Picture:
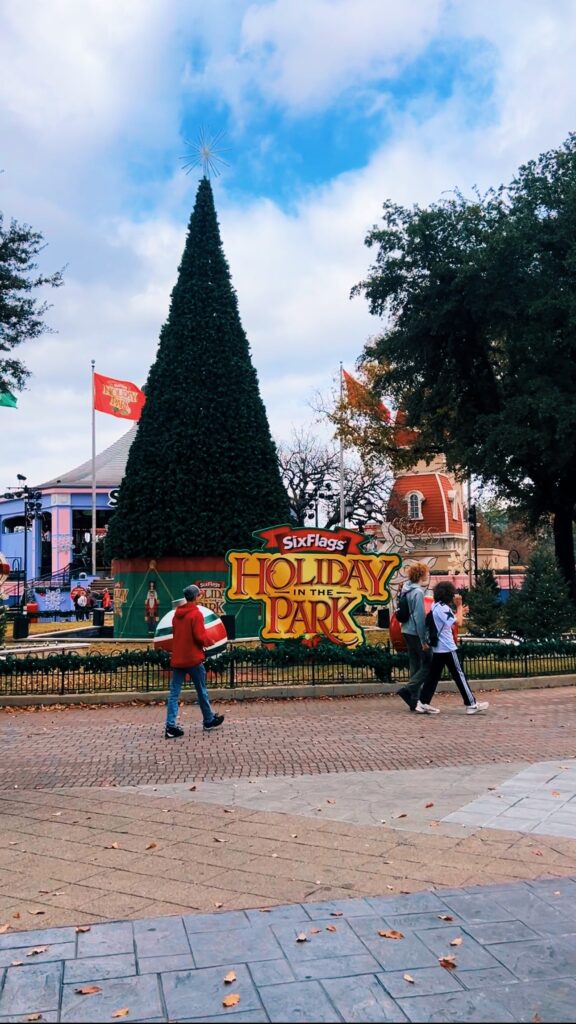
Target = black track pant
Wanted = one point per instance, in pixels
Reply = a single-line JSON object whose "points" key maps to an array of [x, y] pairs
{"points": [[450, 659]]}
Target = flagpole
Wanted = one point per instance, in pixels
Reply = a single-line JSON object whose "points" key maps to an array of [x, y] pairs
{"points": [[93, 476], [342, 506]]}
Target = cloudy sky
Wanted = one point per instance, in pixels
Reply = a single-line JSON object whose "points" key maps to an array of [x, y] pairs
{"points": [[329, 107]]}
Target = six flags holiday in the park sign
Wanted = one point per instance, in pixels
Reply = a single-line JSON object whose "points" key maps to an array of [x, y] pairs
{"points": [[310, 582]]}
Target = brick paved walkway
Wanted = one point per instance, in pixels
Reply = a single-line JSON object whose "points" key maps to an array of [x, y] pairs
{"points": [[185, 870], [509, 954], [125, 745]]}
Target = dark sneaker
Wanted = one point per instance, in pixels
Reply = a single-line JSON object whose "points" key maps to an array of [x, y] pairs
{"points": [[173, 732], [216, 721], [407, 698]]}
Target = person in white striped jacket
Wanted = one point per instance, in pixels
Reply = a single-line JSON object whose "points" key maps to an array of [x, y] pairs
{"points": [[445, 653]]}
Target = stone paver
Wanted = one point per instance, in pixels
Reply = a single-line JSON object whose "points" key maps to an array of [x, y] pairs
{"points": [[102, 746], [343, 971], [540, 799], [167, 865]]}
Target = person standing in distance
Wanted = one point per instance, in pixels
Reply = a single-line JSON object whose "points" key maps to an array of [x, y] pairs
{"points": [[188, 643], [414, 632], [444, 652]]}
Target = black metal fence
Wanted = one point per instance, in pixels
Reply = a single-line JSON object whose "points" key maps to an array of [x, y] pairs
{"points": [[121, 673]]}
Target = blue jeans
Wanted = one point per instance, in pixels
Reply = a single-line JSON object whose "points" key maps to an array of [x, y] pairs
{"points": [[197, 674]]}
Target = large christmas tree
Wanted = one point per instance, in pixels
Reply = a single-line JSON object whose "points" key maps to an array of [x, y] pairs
{"points": [[202, 473]]}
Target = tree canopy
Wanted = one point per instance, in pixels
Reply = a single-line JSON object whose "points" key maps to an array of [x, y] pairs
{"points": [[479, 344], [202, 473], [22, 310]]}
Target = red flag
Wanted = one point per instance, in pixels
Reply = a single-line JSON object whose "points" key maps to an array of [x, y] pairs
{"points": [[359, 397], [118, 397]]}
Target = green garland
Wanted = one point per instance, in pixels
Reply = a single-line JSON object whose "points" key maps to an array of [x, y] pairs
{"points": [[375, 656]]}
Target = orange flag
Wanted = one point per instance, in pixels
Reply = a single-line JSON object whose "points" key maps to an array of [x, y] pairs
{"points": [[359, 397], [118, 397]]}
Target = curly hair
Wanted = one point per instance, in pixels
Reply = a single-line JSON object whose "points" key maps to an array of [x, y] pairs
{"points": [[444, 592], [417, 571]]}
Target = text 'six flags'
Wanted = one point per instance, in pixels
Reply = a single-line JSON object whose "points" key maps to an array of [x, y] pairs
{"points": [[359, 397], [118, 397]]}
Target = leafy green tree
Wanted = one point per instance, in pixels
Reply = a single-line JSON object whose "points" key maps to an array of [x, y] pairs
{"points": [[202, 473], [21, 311], [479, 347], [542, 607], [485, 608]]}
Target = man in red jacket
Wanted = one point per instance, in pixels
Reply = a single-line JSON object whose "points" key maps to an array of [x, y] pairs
{"points": [[189, 640]]}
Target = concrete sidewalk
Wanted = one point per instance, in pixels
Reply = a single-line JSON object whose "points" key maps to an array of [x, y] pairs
{"points": [[167, 869], [499, 953]]}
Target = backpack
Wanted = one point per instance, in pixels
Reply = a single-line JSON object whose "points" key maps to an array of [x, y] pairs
{"points": [[403, 611], [431, 629]]}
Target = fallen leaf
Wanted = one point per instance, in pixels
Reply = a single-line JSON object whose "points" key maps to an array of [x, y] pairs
{"points": [[330, 801], [409, 978], [302, 937], [331, 928], [4, 928], [152, 846], [556, 792], [403, 815], [294, 835], [449, 962], [16, 963], [87, 990], [218, 840], [456, 942], [56, 813], [192, 789], [431, 804], [445, 917], [264, 910], [36, 912], [218, 905], [121, 1013], [82, 928], [113, 846], [491, 787], [230, 977], [391, 887], [228, 810], [15, 843], [537, 853], [232, 1000], [37, 950], [34, 1016], [314, 931], [274, 854], [391, 934], [336, 913], [16, 916]]}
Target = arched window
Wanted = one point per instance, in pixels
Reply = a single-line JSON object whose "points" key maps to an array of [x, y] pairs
{"points": [[415, 505]]}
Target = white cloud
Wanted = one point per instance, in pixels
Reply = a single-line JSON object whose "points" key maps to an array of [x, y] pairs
{"points": [[293, 270], [302, 54]]}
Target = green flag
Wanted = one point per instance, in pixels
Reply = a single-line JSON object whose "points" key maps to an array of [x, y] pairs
{"points": [[7, 398]]}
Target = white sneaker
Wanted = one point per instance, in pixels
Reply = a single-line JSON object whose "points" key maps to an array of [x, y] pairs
{"points": [[480, 705], [426, 709]]}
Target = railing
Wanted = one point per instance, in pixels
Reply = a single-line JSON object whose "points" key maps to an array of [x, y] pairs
{"points": [[145, 671]]}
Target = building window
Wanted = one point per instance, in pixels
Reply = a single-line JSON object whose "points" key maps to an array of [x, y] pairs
{"points": [[414, 505]]}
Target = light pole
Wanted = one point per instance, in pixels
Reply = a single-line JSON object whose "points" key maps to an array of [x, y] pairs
{"points": [[324, 493], [32, 511], [513, 559]]}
